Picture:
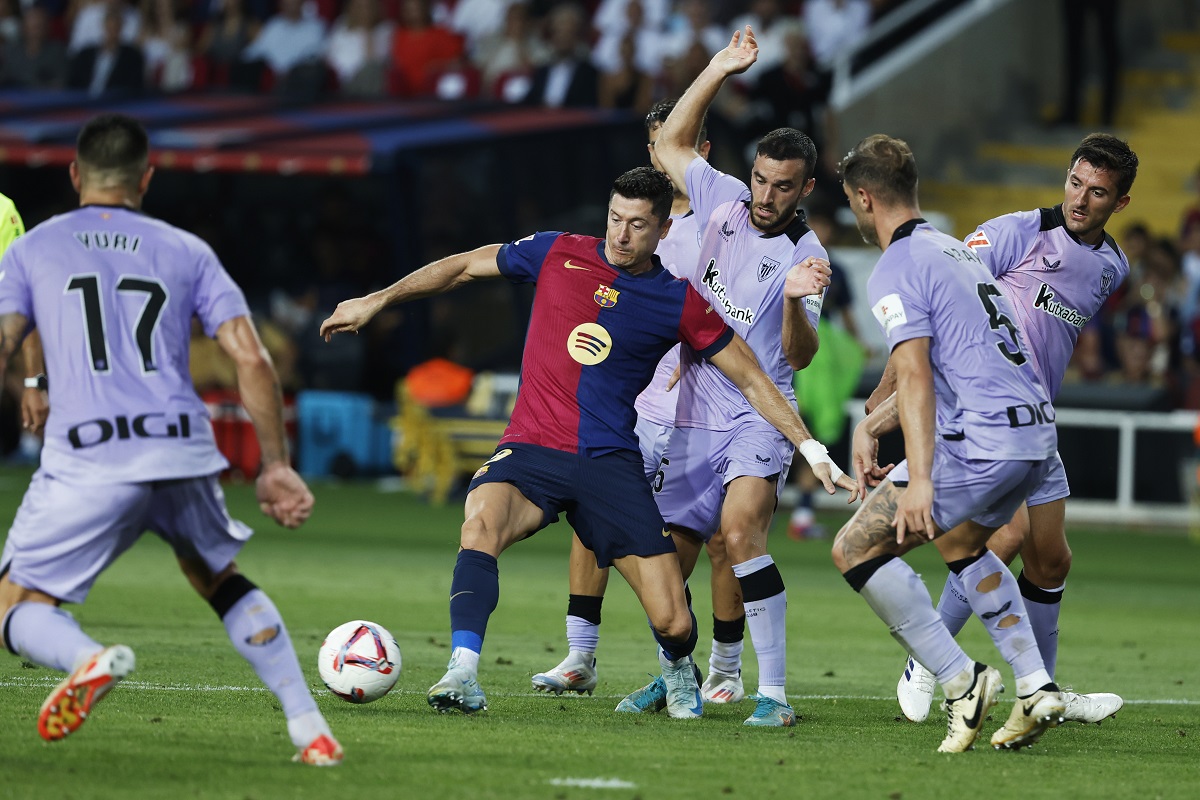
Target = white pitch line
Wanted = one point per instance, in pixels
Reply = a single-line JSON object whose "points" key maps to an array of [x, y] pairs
{"points": [[48, 681], [593, 783]]}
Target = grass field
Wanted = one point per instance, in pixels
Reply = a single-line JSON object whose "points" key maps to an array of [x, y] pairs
{"points": [[193, 721]]}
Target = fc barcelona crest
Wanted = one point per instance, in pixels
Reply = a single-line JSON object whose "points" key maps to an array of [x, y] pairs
{"points": [[767, 268], [606, 297]]}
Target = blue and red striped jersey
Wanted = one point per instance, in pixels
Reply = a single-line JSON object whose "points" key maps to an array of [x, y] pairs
{"points": [[595, 335]]}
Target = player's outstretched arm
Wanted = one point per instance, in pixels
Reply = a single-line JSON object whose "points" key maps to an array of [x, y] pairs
{"points": [[282, 494], [675, 147], [865, 443], [435, 278], [739, 364]]}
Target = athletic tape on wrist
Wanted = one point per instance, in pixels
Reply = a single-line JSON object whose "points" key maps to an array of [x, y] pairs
{"points": [[816, 453]]}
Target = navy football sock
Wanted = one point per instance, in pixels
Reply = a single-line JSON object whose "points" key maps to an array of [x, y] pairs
{"points": [[474, 593]]}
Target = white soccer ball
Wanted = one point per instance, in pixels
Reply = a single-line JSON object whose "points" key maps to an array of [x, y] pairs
{"points": [[359, 661]]}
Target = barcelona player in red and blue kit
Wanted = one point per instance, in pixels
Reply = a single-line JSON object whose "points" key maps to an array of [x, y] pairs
{"points": [[604, 313]]}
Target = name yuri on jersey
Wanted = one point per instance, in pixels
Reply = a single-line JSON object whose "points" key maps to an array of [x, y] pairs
{"points": [[109, 240], [732, 312]]}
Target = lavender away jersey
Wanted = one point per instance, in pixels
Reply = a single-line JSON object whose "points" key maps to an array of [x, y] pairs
{"points": [[113, 293], [1056, 282], [928, 284], [741, 271], [678, 253]]}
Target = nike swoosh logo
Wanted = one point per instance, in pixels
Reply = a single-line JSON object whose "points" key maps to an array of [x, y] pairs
{"points": [[666, 531], [973, 722], [569, 265], [456, 594], [1027, 709]]}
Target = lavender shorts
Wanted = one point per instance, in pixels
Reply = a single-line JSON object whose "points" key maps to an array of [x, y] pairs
{"points": [[986, 492], [65, 535], [698, 464]]}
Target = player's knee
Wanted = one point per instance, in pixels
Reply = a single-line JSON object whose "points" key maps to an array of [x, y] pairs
{"points": [[676, 627], [1050, 570], [477, 535]]}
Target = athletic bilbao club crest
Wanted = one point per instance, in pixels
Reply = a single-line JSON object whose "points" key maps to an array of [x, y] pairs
{"points": [[767, 268], [606, 296], [1106, 281]]}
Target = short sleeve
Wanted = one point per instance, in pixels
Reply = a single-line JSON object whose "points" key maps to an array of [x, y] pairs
{"points": [[217, 299], [1001, 243], [521, 261], [708, 187], [701, 327]]}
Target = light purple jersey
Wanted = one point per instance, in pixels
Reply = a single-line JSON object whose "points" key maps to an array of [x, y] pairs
{"points": [[679, 253], [113, 293], [741, 271], [928, 284], [1056, 282]]}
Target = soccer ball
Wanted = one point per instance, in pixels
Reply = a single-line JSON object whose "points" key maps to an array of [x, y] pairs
{"points": [[359, 661]]}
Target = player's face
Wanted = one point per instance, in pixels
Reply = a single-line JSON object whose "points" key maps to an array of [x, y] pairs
{"points": [[776, 189], [862, 217], [652, 135], [633, 232], [1091, 197]]}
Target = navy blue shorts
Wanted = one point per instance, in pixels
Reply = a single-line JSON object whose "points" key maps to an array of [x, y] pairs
{"points": [[607, 498]]}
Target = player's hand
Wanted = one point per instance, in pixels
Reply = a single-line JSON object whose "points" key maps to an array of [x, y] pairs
{"points": [[284, 496], [739, 55], [674, 379], [824, 474], [809, 277], [865, 459], [914, 511], [35, 408], [350, 316]]}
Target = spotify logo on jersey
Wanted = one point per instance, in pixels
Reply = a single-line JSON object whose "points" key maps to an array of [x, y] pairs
{"points": [[589, 343]]}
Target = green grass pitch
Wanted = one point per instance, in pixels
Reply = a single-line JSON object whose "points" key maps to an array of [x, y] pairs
{"points": [[193, 721]]}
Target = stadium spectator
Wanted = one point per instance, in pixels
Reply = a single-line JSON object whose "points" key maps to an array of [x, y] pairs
{"points": [[507, 58], [693, 25], [644, 39], [359, 49], [34, 61], [419, 46], [10, 25], [479, 20], [110, 65], [568, 78], [166, 43], [834, 27], [613, 16], [224, 37], [108, 489], [767, 19], [87, 21], [289, 39], [628, 86]]}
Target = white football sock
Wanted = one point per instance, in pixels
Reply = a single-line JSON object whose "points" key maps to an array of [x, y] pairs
{"points": [[259, 635], [48, 635], [953, 606], [899, 598], [582, 635], [1002, 613], [766, 618]]}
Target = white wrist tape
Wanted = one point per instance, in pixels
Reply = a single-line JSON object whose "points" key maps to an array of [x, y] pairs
{"points": [[816, 453]]}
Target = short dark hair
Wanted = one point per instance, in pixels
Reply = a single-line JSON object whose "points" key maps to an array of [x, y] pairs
{"points": [[884, 165], [662, 109], [115, 144], [1107, 152], [789, 144], [646, 183]]}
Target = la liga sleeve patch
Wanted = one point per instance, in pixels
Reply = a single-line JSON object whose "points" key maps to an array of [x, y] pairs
{"points": [[978, 239], [890, 313]]}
